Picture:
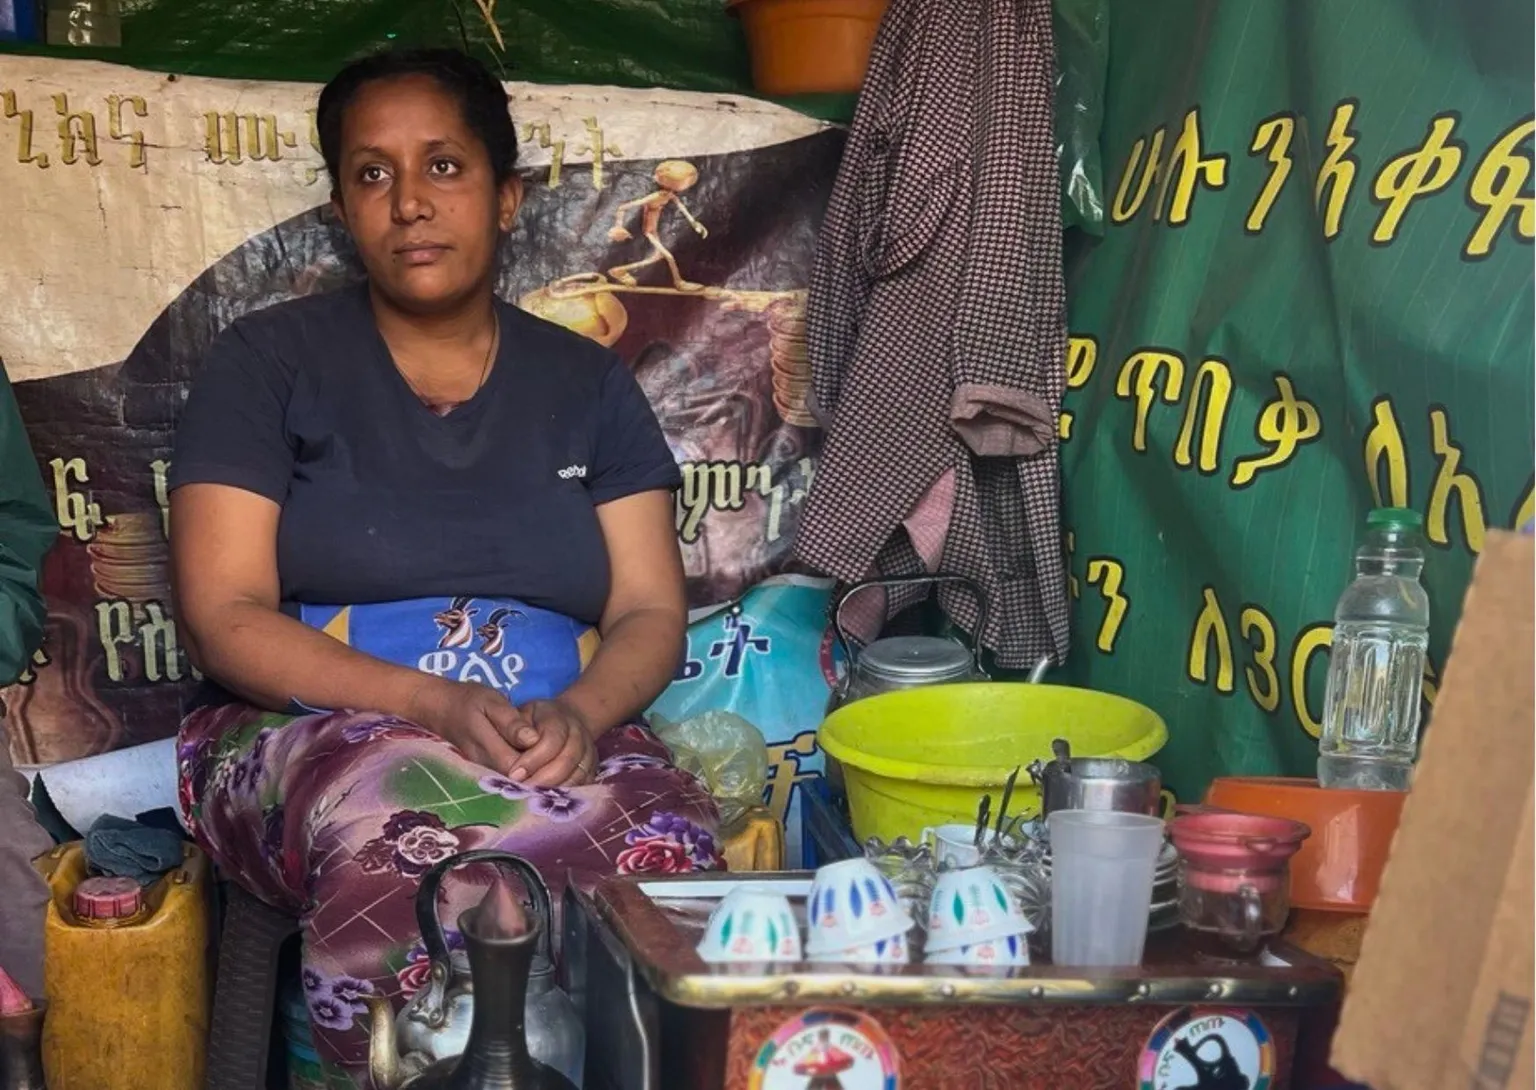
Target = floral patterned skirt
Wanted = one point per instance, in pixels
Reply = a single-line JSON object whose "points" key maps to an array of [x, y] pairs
{"points": [[336, 817]]}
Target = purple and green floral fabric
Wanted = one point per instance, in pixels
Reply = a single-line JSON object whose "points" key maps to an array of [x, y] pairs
{"points": [[335, 817]]}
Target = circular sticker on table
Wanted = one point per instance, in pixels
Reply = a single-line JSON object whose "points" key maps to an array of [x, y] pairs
{"points": [[1209, 1050], [827, 1050]]}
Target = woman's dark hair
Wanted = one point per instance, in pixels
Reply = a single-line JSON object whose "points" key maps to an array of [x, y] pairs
{"points": [[480, 96]]}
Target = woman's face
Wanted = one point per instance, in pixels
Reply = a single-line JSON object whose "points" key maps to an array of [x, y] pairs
{"points": [[418, 195]]}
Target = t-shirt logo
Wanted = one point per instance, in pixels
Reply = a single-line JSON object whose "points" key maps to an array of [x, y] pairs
{"points": [[570, 472]]}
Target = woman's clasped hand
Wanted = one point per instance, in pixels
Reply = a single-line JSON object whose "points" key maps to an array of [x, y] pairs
{"points": [[545, 743]]}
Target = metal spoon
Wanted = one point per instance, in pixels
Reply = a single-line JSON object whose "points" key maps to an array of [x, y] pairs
{"points": [[983, 812], [1002, 811]]}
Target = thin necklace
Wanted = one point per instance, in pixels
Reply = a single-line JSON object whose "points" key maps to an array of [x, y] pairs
{"points": [[445, 407]]}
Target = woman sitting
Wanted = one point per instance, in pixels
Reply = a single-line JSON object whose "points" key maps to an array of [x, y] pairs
{"points": [[424, 544]]}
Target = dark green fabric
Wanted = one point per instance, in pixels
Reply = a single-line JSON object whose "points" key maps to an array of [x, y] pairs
{"points": [[691, 45], [27, 530], [1423, 335]]}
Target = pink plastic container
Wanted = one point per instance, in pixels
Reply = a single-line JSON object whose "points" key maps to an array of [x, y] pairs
{"points": [[1213, 841], [1234, 873]]}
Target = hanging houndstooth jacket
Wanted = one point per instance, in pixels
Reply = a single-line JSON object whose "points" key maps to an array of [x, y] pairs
{"points": [[936, 324]]}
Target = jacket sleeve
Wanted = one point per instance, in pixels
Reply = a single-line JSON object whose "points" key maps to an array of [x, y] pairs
{"points": [[27, 531]]}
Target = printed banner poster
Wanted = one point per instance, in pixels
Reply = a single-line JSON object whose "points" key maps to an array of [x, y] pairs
{"points": [[146, 212], [1312, 297]]}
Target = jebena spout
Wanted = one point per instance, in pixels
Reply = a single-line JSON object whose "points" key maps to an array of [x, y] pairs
{"points": [[383, 1060]]}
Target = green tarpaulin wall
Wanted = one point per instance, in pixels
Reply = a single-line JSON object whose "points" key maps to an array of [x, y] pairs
{"points": [[1320, 298], [1314, 293]]}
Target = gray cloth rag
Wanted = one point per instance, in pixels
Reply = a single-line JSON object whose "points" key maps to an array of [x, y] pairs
{"points": [[121, 848]]}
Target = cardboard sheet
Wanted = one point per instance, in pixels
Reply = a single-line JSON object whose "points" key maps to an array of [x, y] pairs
{"points": [[1442, 994]]}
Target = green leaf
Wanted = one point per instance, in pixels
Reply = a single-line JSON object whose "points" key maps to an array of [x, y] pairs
{"points": [[437, 787]]}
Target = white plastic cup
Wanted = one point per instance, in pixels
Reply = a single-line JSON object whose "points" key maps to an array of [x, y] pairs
{"points": [[751, 925], [889, 951], [851, 904], [953, 844], [971, 906], [1010, 950], [1102, 869]]}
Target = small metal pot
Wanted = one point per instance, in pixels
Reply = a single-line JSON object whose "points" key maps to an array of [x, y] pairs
{"points": [[1096, 783], [901, 662], [905, 662]]}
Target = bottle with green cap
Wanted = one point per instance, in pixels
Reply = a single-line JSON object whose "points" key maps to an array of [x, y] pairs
{"points": [[1376, 665]]}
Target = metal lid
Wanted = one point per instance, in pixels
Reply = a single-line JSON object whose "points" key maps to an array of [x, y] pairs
{"points": [[102, 900], [916, 660]]}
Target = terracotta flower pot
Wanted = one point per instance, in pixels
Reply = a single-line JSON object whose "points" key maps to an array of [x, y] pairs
{"points": [[809, 46]]}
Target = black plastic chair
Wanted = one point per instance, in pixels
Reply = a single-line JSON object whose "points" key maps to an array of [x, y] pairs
{"points": [[250, 962]]}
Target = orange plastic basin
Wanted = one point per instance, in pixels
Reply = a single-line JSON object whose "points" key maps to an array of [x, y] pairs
{"points": [[1338, 868], [809, 46]]}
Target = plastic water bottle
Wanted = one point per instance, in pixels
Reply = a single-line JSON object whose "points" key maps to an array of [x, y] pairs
{"points": [[1376, 666]]}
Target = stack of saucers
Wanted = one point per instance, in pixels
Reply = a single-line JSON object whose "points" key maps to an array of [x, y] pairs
{"points": [[1165, 891]]}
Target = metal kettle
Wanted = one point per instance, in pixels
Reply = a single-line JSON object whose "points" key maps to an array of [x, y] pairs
{"points": [[905, 662], [415, 1050]]}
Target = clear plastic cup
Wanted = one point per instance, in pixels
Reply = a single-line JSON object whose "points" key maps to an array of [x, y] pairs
{"points": [[1102, 869]]}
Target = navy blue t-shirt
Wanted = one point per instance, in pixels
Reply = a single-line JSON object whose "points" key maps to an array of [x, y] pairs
{"points": [[382, 499]]}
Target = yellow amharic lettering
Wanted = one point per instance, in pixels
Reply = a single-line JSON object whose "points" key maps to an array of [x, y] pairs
{"points": [[1138, 381], [1187, 170], [1452, 483], [1082, 357], [231, 138], [119, 131], [716, 486], [1284, 425], [24, 152], [1214, 378], [1525, 510], [538, 132], [1273, 139], [1426, 169], [1211, 629], [149, 629], [1384, 450], [1499, 188], [77, 133], [1311, 641], [1073, 590], [1108, 574], [1263, 682], [1123, 208], [78, 514], [1336, 175]]}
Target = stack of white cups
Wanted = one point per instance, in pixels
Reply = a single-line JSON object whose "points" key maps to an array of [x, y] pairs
{"points": [[853, 915], [751, 925], [974, 920]]}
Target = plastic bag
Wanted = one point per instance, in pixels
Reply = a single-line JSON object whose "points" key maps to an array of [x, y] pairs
{"points": [[769, 658], [726, 752], [1082, 58]]}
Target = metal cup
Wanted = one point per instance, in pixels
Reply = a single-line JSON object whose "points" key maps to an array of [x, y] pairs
{"points": [[1099, 783]]}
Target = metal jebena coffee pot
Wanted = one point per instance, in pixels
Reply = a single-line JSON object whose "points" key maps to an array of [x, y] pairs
{"points": [[410, 1053]]}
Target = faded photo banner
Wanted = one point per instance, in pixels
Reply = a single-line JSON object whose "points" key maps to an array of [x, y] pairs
{"points": [[146, 212]]}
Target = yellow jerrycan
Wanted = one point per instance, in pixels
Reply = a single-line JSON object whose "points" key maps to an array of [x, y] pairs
{"points": [[127, 976]]}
